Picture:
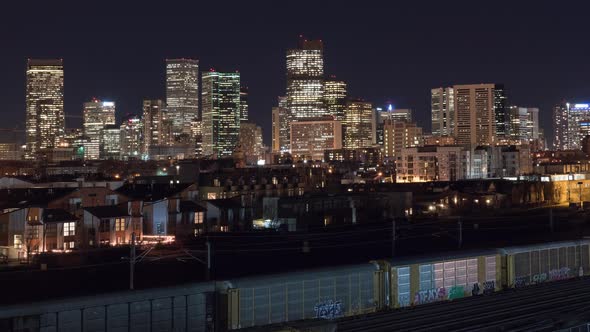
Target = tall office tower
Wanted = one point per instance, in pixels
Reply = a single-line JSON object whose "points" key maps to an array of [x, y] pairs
{"points": [[280, 127], [244, 103], [474, 114], [578, 125], [442, 103], [311, 138], [560, 125], [111, 143], [524, 123], [182, 93], [96, 115], [335, 97], [131, 138], [153, 125], [358, 124], [197, 134], [221, 113], [305, 88], [501, 112], [398, 135], [45, 120], [250, 142]]}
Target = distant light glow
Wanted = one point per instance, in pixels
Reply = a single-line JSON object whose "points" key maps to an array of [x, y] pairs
{"points": [[261, 162], [390, 107], [108, 103], [581, 105]]}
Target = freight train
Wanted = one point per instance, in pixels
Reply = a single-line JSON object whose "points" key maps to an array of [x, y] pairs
{"points": [[394, 283]]}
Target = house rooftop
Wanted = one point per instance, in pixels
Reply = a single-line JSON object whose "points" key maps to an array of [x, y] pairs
{"points": [[152, 192], [57, 216], [30, 197], [107, 211]]}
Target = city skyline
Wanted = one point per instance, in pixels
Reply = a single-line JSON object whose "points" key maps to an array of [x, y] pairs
{"points": [[540, 79]]}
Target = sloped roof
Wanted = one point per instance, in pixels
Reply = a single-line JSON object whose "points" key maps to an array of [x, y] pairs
{"points": [[190, 206], [107, 211], [30, 197], [152, 192], [57, 215]]}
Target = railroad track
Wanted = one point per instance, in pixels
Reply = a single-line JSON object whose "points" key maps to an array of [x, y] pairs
{"points": [[536, 307]]}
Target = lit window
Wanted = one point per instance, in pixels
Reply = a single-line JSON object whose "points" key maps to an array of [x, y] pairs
{"points": [[18, 241], [69, 228], [119, 224], [198, 217]]}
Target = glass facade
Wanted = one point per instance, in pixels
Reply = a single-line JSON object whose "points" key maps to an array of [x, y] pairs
{"points": [[221, 113], [305, 86], [131, 138], [45, 120], [97, 115], [443, 111], [335, 98], [182, 93], [358, 124]]}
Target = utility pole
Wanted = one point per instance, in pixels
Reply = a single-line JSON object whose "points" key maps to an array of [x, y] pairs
{"points": [[460, 224], [393, 237], [132, 261]]}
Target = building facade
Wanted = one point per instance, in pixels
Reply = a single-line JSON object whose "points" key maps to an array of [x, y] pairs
{"points": [[250, 142], [155, 125], [131, 131], [475, 123], [305, 87], [110, 148], [442, 101], [398, 135], [244, 104], [560, 126], [358, 124], [45, 119], [97, 115], [335, 98], [309, 139], [221, 113], [182, 93], [430, 163]]}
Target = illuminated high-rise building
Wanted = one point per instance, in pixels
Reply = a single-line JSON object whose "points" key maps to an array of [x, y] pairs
{"points": [[475, 123], [45, 119], [358, 124], [524, 123], [311, 138], [280, 127], [97, 115], [398, 135], [305, 88], [335, 97], [244, 103], [131, 131], [221, 113], [182, 93], [110, 148], [443, 111], [501, 112], [250, 142], [154, 125]]}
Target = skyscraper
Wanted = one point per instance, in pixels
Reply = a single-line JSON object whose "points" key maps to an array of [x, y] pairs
{"points": [[524, 123], [280, 127], [182, 93], [443, 111], [310, 139], [111, 142], [154, 127], [305, 88], [560, 125], [501, 112], [250, 142], [221, 113], [97, 115], [358, 124], [474, 114], [335, 97], [45, 120], [131, 138], [398, 135], [244, 103]]}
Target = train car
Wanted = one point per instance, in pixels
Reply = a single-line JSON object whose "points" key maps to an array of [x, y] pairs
{"points": [[438, 278], [528, 265], [323, 293]]}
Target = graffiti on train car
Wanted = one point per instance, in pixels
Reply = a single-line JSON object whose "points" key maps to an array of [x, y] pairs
{"points": [[430, 295], [489, 287], [456, 292], [559, 274], [520, 282], [329, 309]]}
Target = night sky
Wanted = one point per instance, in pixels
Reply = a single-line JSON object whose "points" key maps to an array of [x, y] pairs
{"points": [[539, 50]]}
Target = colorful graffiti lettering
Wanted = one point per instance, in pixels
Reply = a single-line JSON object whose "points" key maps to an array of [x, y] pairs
{"points": [[559, 274], [430, 295], [541, 277], [456, 292], [520, 282], [329, 309], [489, 287]]}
